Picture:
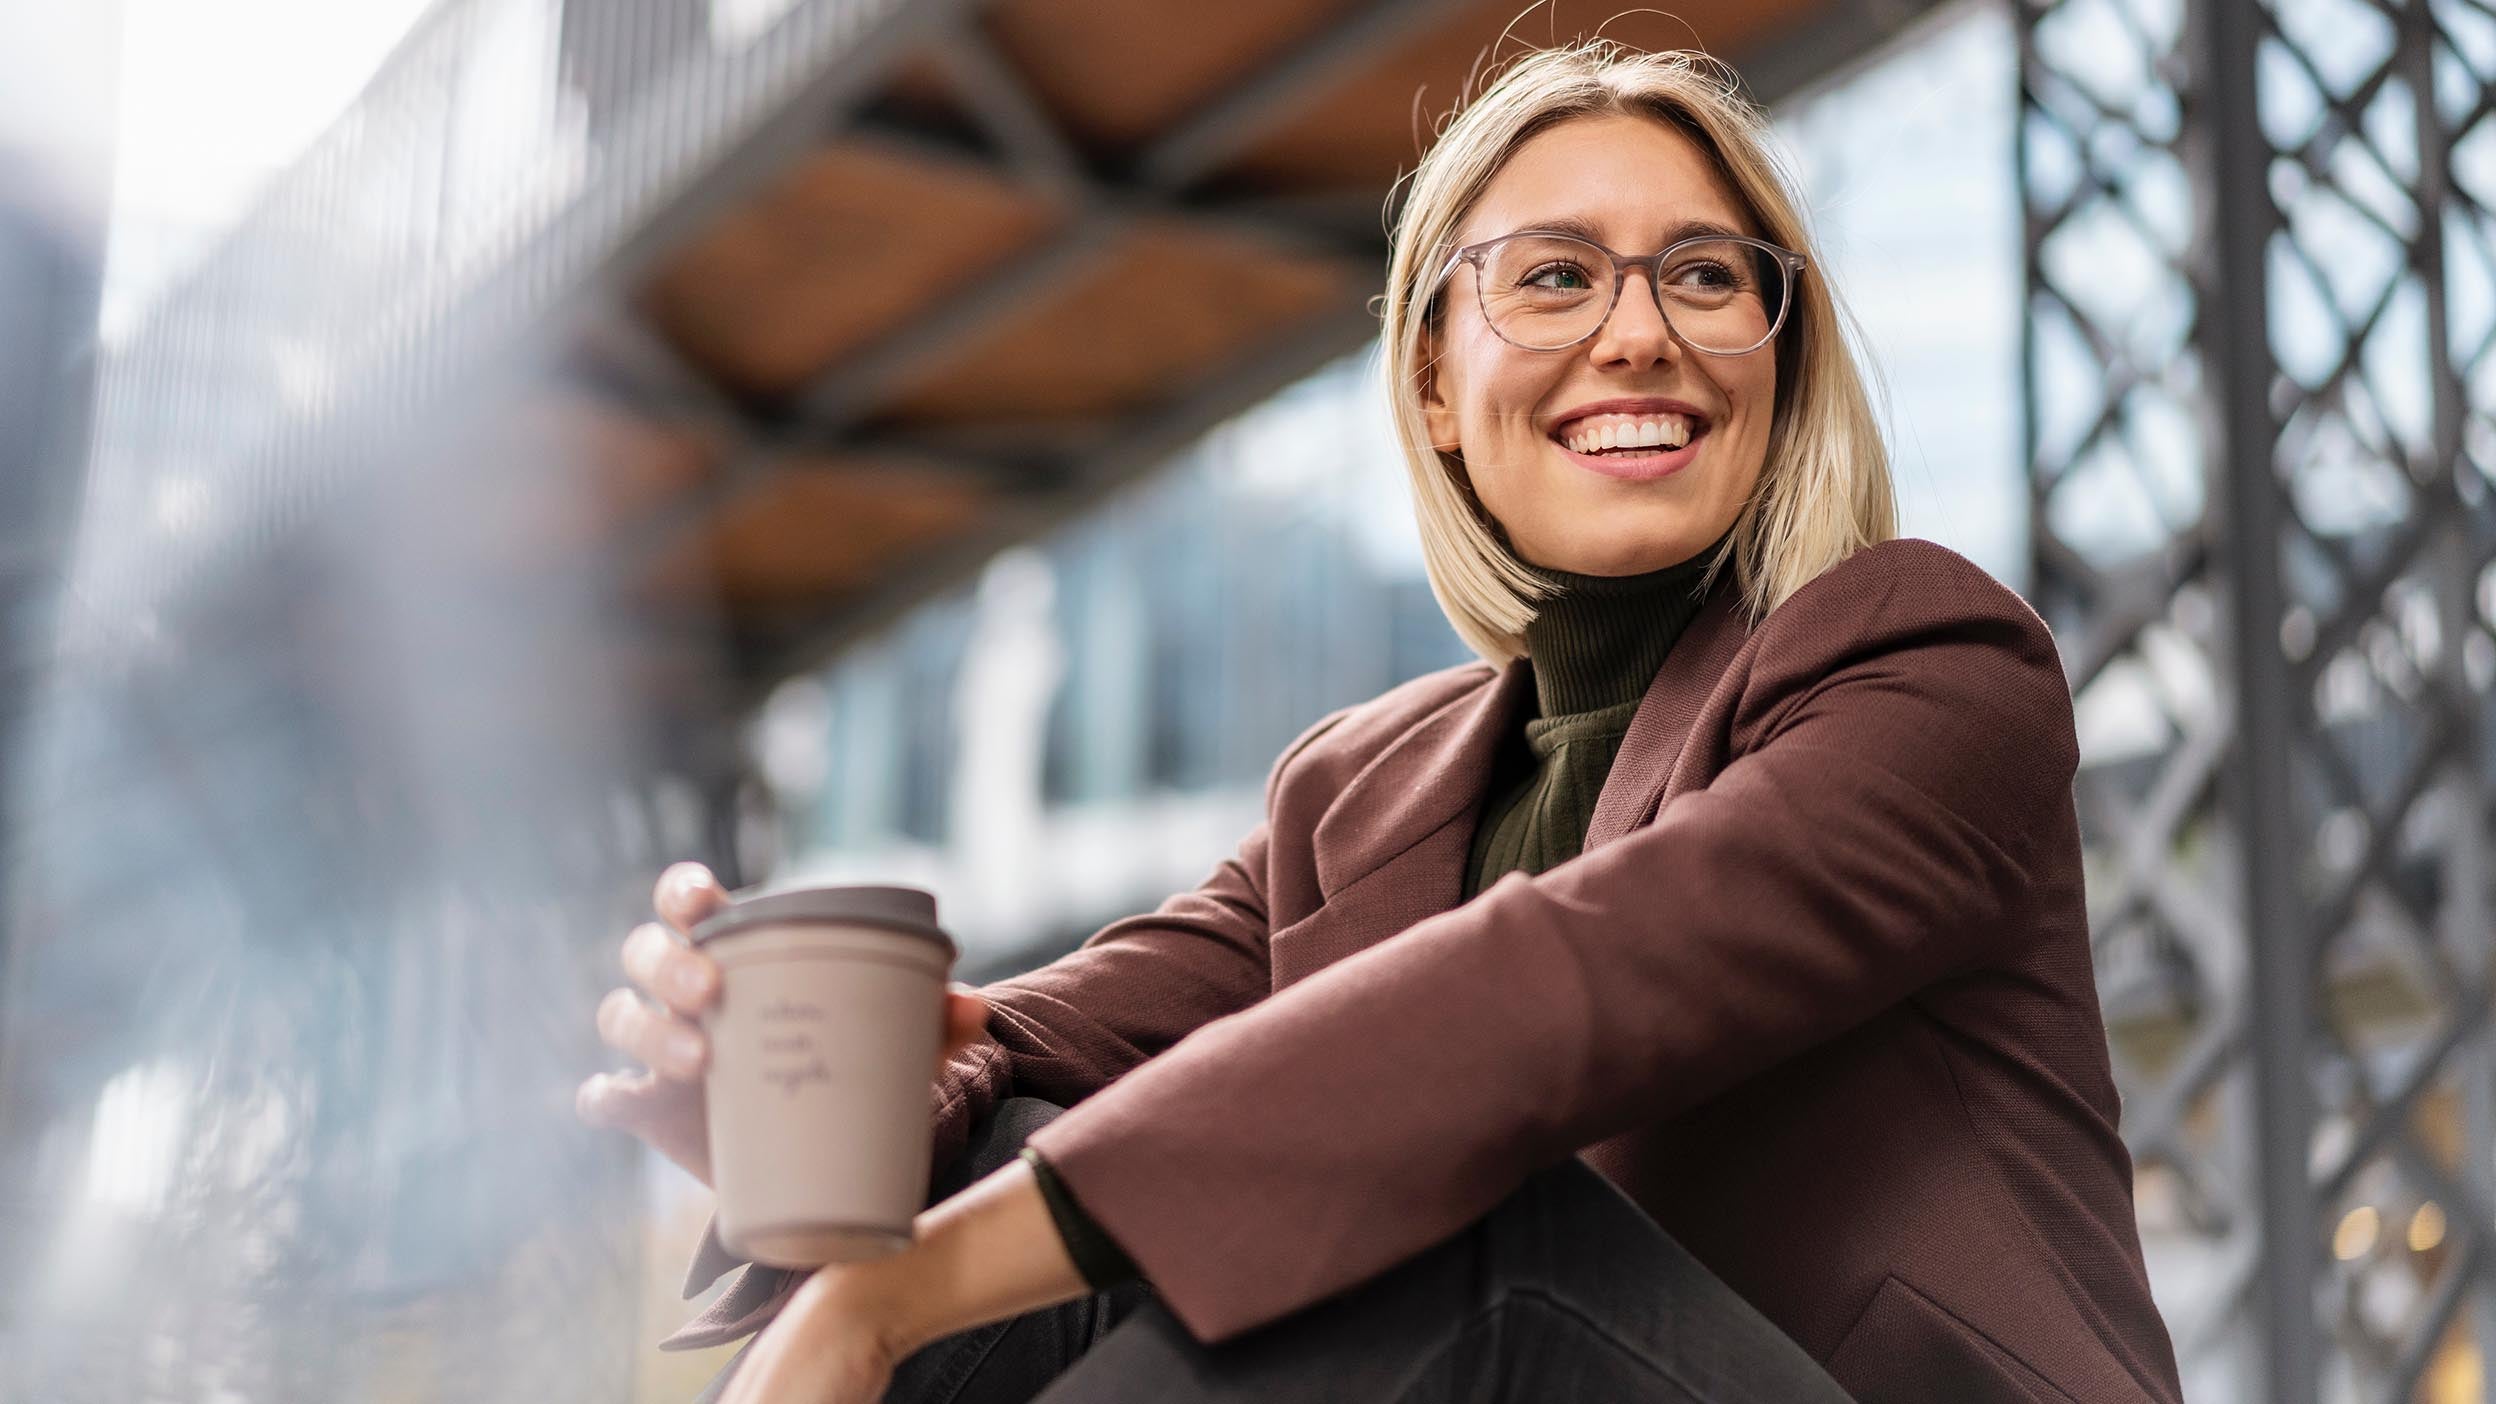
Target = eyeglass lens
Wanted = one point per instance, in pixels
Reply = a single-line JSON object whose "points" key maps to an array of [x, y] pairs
{"points": [[1550, 291]]}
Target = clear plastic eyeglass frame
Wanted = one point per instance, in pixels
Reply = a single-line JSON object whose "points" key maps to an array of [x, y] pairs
{"points": [[1653, 263]]}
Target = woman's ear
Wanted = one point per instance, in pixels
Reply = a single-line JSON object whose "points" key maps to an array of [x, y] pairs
{"points": [[1435, 410]]}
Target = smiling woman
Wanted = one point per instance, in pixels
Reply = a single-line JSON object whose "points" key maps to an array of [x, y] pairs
{"points": [[1735, 338], [1536, 359], [1690, 1000]]}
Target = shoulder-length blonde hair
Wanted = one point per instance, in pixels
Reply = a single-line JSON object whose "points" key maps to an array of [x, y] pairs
{"points": [[1824, 489]]}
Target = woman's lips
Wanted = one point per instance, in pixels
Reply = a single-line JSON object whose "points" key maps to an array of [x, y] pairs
{"points": [[1644, 463]]}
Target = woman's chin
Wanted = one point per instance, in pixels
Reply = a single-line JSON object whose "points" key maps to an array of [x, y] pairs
{"points": [[1622, 552]]}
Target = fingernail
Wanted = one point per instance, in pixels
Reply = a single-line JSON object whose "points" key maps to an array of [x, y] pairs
{"points": [[685, 1049]]}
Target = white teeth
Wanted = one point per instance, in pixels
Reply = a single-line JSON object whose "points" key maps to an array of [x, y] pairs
{"points": [[1669, 431]]}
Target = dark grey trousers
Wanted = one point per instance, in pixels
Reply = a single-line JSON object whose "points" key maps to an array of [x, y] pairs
{"points": [[1564, 1291]]}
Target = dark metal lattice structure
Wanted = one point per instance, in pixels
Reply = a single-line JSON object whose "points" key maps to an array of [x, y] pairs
{"points": [[2261, 361]]}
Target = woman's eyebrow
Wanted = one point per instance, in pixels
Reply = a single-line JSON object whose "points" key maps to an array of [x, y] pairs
{"points": [[1585, 229]]}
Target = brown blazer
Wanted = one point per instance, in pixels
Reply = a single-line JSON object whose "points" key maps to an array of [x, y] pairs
{"points": [[1817, 995]]}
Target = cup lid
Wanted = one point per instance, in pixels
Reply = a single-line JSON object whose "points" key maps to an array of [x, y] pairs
{"points": [[910, 910]]}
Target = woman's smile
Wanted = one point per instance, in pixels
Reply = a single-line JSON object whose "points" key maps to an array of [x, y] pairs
{"points": [[1636, 439]]}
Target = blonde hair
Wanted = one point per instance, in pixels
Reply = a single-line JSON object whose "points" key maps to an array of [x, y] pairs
{"points": [[1824, 489]]}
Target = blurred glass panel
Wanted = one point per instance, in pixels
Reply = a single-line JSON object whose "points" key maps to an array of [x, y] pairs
{"points": [[1930, 266]]}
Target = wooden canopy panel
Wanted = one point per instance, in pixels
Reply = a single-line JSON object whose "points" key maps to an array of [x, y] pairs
{"points": [[1145, 316], [1372, 124], [820, 529], [843, 249], [1119, 72]]}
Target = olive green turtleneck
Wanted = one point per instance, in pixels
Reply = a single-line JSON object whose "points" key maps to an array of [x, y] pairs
{"points": [[1593, 647]]}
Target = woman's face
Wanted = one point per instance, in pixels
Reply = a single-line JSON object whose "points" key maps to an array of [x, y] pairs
{"points": [[1507, 410]]}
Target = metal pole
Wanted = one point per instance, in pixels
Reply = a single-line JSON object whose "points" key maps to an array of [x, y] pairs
{"points": [[2466, 915], [2234, 343]]}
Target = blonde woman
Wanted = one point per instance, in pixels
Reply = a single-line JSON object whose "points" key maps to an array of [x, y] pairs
{"points": [[1691, 1000]]}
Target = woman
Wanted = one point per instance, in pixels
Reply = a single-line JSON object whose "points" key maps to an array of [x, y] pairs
{"points": [[1691, 1000]]}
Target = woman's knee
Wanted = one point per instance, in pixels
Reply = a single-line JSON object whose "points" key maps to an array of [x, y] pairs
{"points": [[1568, 1231], [1563, 1247]]}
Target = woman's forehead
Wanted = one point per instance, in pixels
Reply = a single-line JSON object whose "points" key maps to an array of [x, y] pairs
{"points": [[1628, 182]]}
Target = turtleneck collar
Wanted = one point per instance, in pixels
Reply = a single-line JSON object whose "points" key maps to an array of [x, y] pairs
{"points": [[1599, 641]]}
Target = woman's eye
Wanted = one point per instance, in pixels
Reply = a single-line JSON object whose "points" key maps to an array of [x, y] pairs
{"points": [[1564, 277]]}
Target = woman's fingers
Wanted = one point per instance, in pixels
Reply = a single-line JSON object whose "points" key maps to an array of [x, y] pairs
{"points": [[966, 1020], [618, 1101], [669, 971], [658, 1023], [686, 893], [670, 1046], [666, 1115]]}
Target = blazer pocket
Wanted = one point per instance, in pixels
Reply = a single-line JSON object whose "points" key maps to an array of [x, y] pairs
{"points": [[1907, 1348], [1349, 921], [1295, 952]]}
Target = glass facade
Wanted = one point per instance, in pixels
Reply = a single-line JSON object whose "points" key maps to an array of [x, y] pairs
{"points": [[1187, 630]]}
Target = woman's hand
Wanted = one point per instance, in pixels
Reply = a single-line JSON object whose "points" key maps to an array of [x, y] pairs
{"points": [[658, 1021], [988, 1253], [827, 1346]]}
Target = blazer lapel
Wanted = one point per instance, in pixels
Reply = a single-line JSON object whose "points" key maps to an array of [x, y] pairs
{"points": [[1425, 778], [1390, 850], [1643, 769]]}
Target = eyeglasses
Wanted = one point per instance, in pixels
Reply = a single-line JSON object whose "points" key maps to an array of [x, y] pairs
{"points": [[1723, 294]]}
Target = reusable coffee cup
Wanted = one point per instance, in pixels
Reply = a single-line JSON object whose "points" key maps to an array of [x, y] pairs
{"points": [[823, 1044]]}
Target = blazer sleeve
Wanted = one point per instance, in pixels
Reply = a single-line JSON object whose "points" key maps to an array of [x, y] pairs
{"points": [[1062, 1032], [1901, 735]]}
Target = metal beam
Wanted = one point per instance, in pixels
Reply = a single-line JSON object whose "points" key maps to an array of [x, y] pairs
{"points": [[2468, 874], [854, 385], [1057, 438], [624, 359], [787, 133], [1824, 48], [2235, 347], [1014, 117], [1272, 223]]}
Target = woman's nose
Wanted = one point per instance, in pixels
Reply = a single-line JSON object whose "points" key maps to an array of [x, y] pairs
{"points": [[1636, 331]]}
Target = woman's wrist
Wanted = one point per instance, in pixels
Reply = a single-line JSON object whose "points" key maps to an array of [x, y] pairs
{"points": [[989, 1252]]}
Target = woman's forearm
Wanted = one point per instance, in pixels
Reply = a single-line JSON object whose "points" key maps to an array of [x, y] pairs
{"points": [[989, 1252]]}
